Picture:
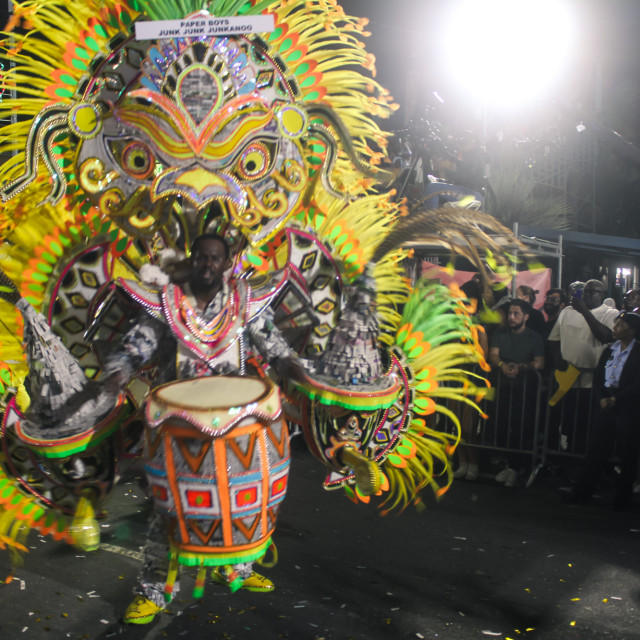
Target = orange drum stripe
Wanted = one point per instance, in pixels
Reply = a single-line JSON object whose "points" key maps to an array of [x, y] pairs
{"points": [[173, 483], [264, 464], [281, 444], [220, 452]]}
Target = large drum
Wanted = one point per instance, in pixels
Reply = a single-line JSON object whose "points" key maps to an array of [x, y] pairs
{"points": [[217, 454]]}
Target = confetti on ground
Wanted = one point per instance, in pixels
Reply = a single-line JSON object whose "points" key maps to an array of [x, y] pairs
{"points": [[419, 635], [104, 621], [22, 585], [575, 599], [573, 623], [24, 629], [615, 598], [491, 633], [128, 553], [459, 538]]}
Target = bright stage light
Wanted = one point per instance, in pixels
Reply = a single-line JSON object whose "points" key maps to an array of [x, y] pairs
{"points": [[508, 52]]}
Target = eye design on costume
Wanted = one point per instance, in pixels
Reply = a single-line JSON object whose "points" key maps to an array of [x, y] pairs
{"points": [[254, 162], [138, 160], [141, 219]]}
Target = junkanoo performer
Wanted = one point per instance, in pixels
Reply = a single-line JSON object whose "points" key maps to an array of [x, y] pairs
{"points": [[278, 128], [209, 325]]}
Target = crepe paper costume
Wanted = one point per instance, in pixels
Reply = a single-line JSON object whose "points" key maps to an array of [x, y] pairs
{"points": [[133, 147]]}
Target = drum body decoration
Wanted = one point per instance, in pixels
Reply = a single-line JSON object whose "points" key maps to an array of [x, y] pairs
{"points": [[217, 454]]}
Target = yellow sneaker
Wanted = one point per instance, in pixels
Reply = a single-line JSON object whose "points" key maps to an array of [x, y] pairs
{"points": [[255, 582], [141, 611], [84, 528]]}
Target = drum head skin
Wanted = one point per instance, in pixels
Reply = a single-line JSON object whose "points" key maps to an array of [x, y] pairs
{"points": [[214, 404]]}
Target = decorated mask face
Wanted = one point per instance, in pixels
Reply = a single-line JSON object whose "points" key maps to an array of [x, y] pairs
{"points": [[165, 136], [203, 122]]}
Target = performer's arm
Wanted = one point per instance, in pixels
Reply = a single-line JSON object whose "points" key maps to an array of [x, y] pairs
{"points": [[268, 340], [137, 348]]}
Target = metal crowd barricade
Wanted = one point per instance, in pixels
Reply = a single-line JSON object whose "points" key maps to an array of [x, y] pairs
{"points": [[520, 420], [515, 423], [567, 425], [572, 417]]}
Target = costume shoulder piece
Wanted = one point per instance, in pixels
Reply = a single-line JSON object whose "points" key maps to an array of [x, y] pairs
{"points": [[265, 289], [149, 297]]}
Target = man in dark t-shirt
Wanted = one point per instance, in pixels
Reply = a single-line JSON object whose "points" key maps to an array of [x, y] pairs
{"points": [[517, 352], [516, 348]]}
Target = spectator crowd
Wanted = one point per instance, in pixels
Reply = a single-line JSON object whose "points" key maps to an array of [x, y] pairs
{"points": [[567, 388]]}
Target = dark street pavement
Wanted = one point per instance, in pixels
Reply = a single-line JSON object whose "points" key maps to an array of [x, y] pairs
{"points": [[485, 562]]}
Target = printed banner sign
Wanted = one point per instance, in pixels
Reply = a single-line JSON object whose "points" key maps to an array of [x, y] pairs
{"points": [[204, 25]]}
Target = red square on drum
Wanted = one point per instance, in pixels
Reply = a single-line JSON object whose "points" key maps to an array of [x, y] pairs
{"points": [[159, 492], [279, 486], [245, 497], [201, 499]]}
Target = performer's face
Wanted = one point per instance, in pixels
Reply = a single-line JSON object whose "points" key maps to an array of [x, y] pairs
{"points": [[208, 263]]}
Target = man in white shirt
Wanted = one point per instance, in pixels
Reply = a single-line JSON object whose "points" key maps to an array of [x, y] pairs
{"points": [[579, 337], [583, 330]]}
